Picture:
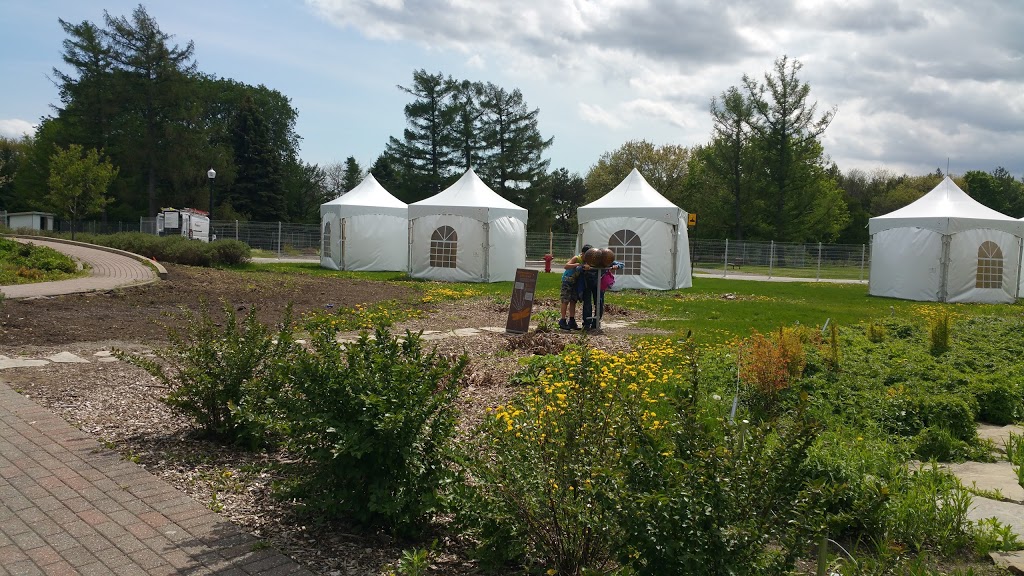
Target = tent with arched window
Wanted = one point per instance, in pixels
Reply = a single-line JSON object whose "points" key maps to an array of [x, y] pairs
{"points": [[945, 247], [646, 232], [466, 233], [365, 229]]}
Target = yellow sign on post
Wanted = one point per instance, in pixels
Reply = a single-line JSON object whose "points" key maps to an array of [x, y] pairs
{"points": [[691, 219]]}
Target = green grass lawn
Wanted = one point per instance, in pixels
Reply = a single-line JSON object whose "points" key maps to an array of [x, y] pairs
{"points": [[716, 310]]}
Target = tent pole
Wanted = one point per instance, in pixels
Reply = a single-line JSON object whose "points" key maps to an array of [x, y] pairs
{"points": [[675, 253], [487, 252], [1020, 254], [408, 259], [944, 269], [725, 260]]}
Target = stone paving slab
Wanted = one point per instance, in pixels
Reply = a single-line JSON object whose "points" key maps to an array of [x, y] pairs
{"points": [[70, 506]]}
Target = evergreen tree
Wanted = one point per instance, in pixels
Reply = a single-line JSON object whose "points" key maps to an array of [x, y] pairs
{"points": [[353, 174], [258, 191], [805, 204], [428, 150], [728, 156], [514, 161], [153, 76]]}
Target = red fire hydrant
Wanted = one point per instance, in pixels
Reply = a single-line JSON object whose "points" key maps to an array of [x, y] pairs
{"points": [[547, 262]]}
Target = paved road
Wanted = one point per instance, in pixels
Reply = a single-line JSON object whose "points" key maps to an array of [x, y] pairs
{"points": [[70, 506], [108, 271]]}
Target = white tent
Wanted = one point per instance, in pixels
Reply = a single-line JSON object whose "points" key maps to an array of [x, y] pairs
{"points": [[365, 229], [466, 233], [945, 247], [646, 232]]}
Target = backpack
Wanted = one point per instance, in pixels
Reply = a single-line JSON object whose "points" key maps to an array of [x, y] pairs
{"points": [[607, 281]]}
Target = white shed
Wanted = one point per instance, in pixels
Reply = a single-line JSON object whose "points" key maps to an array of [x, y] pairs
{"points": [[33, 220]]}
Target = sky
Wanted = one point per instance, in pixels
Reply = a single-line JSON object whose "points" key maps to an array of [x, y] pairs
{"points": [[917, 84]]}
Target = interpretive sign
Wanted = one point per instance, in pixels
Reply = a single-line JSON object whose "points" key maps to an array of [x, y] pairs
{"points": [[521, 307]]}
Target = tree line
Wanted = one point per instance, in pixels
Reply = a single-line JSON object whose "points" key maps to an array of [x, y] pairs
{"points": [[137, 115]]}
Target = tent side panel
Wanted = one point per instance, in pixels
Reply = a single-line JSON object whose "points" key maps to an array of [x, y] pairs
{"points": [[329, 217], [963, 280], [684, 271], [507, 248], [376, 242], [655, 250], [905, 264], [469, 256]]}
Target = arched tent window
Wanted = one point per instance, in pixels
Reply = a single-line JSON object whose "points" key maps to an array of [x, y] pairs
{"points": [[443, 244], [325, 250], [626, 245], [990, 266]]}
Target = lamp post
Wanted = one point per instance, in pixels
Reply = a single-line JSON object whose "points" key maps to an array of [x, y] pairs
{"points": [[211, 174]]}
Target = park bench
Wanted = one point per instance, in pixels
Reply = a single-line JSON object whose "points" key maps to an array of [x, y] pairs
{"points": [[735, 263]]}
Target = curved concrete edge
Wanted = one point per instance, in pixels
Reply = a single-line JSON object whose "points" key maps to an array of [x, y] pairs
{"points": [[160, 270]]}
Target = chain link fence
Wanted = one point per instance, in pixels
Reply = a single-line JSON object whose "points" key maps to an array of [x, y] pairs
{"points": [[725, 257]]}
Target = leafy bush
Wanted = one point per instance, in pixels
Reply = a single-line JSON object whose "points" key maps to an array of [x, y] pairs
{"points": [[937, 443], [621, 458], [22, 261], [767, 366], [221, 377], [372, 421], [939, 335], [999, 399], [175, 249]]}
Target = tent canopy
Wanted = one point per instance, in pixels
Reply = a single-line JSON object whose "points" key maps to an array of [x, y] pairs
{"points": [[947, 210], [633, 197], [469, 197], [369, 197]]}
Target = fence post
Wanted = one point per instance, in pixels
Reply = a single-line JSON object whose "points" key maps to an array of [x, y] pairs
{"points": [[236, 229], [279, 239], [771, 258], [819, 262], [862, 246], [551, 242], [725, 260]]}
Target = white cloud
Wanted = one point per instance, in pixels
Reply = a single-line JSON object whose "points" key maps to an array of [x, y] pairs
{"points": [[912, 80], [658, 110], [16, 128], [595, 114]]}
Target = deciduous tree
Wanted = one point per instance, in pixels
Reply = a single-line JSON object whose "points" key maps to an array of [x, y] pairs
{"points": [[78, 183]]}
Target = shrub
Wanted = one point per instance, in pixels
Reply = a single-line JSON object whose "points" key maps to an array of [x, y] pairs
{"points": [[767, 367], [875, 332], [220, 376], [615, 458], [999, 399], [939, 335], [372, 421], [175, 249], [937, 443]]}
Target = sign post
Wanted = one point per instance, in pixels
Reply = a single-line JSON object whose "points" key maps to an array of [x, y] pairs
{"points": [[521, 306]]}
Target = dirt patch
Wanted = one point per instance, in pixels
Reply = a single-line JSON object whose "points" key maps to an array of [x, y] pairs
{"points": [[137, 314]]}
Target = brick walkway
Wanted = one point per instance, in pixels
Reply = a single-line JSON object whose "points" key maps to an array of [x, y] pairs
{"points": [[108, 271], [70, 506]]}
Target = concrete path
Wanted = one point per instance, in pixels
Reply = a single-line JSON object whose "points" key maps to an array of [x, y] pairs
{"points": [[108, 270]]}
